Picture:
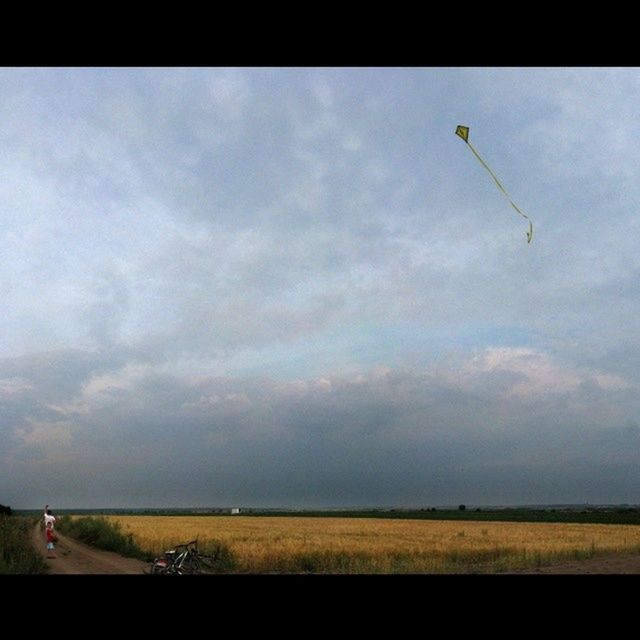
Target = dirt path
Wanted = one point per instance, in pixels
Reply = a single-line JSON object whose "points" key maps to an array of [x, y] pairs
{"points": [[75, 557]]}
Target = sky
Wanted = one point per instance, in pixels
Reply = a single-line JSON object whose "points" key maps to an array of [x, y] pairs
{"points": [[296, 287]]}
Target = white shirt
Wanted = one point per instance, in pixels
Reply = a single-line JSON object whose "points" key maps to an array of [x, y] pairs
{"points": [[51, 519]]}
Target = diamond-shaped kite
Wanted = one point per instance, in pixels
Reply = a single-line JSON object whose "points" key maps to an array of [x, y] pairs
{"points": [[463, 132]]}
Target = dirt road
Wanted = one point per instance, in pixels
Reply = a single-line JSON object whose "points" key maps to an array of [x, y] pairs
{"points": [[72, 557]]}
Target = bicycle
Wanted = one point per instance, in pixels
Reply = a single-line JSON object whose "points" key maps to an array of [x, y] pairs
{"points": [[183, 559]]}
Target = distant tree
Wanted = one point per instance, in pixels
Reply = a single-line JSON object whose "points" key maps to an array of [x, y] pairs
{"points": [[6, 511], [433, 508], [462, 508]]}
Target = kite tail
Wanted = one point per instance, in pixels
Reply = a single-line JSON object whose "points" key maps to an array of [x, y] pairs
{"points": [[486, 166], [513, 204], [524, 215]]}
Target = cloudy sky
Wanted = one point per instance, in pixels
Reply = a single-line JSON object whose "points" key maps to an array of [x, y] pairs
{"points": [[298, 288]]}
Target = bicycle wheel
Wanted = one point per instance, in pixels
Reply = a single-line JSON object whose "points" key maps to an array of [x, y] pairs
{"points": [[192, 565], [159, 568], [207, 564]]}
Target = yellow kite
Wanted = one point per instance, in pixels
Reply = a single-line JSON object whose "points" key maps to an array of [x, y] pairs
{"points": [[463, 132]]}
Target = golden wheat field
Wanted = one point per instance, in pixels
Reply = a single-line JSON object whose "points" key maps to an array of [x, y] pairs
{"points": [[370, 545]]}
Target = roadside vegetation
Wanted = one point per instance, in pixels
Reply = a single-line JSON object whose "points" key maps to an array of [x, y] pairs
{"points": [[17, 555], [102, 534]]}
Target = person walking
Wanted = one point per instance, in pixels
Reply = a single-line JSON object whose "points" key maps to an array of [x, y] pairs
{"points": [[49, 517], [50, 536], [51, 539]]}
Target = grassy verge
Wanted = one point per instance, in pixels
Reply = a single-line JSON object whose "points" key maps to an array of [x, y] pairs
{"points": [[17, 555], [103, 534]]}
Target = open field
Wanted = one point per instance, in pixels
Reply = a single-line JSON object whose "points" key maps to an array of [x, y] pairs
{"points": [[351, 545]]}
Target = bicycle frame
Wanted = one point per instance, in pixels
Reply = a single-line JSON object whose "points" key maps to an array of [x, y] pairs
{"points": [[173, 560]]}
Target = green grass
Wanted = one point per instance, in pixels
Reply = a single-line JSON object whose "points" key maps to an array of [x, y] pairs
{"points": [[17, 555], [99, 532]]}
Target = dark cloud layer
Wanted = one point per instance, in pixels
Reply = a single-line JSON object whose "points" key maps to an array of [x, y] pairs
{"points": [[131, 436]]}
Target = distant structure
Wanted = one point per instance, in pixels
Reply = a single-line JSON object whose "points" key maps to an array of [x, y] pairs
{"points": [[235, 511]]}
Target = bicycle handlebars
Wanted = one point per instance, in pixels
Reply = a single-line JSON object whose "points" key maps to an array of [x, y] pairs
{"points": [[187, 544]]}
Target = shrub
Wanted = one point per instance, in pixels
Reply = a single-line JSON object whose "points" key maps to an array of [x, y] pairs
{"points": [[17, 554], [103, 534]]}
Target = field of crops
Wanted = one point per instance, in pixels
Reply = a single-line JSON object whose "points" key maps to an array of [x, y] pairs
{"points": [[351, 545]]}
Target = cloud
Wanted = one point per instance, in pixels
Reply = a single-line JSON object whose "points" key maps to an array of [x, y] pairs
{"points": [[533, 373], [386, 434], [298, 283]]}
